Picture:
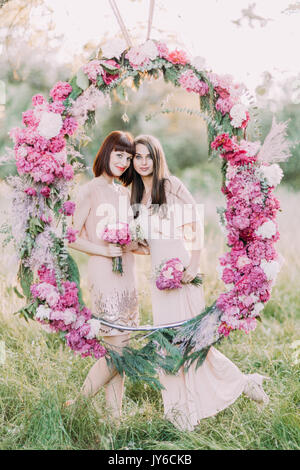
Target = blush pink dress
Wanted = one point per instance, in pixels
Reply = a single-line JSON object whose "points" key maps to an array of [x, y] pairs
{"points": [[217, 383], [114, 297]]}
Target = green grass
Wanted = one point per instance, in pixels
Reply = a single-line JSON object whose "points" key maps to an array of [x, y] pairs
{"points": [[38, 374]]}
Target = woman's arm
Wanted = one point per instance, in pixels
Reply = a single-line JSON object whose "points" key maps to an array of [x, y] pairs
{"points": [[81, 244]]}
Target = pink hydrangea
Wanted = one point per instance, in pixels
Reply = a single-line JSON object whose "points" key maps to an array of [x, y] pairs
{"points": [[38, 100], [69, 126], [60, 91], [190, 82], [224, 105], [163, 50], [93, 69]]}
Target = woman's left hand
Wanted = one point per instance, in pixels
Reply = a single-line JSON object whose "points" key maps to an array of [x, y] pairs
{"points": [[189, 274]]}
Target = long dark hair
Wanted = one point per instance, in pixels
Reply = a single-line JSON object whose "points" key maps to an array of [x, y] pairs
{"points": [[160, 173], [119, 141]]}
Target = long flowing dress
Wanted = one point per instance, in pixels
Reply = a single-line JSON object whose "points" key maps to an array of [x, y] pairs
{"points": [[188, 396], [114, 296]]}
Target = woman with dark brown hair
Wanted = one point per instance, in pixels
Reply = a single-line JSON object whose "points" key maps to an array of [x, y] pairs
{"points": [[113, 296], [177, 232]]}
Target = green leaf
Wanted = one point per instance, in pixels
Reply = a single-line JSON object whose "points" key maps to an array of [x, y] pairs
{"points": [[82, 80]]}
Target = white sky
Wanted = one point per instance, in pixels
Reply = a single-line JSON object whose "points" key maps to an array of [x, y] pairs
{"points": [[204, 26]]}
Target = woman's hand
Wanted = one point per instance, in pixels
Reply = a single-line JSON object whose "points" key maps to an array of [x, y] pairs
{"points": [[114, 251], [189, 274]]}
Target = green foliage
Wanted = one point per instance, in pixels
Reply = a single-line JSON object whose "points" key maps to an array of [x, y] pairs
{"points": [[73, 275], [25, 277]]}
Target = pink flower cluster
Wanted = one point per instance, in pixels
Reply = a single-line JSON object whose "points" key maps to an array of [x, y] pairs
{"points": [[232, 151], [191, 83], [248, 209], [117, 233], [108, 69], [66, 314], [228, 93], [170, 274], [40, 146]]}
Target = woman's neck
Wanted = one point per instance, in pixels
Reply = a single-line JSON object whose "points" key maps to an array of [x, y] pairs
{"points": [[108, 178], [147, 181]]}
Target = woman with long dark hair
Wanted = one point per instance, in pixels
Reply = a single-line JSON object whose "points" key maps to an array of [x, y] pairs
{"points": [[173, 228], [113, 296]]}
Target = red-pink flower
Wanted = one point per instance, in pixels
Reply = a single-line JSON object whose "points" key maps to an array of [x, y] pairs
{"points": [[30, 191], [177, 57], [45, 191]]}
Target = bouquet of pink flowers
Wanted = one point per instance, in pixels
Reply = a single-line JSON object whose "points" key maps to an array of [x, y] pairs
{"points": [[170, 273], [119, 234]]}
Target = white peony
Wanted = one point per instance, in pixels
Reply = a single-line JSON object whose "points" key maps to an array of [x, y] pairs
{"points": [[149, 49], [257, 308], [267, 230], [270, 268], [95, 328], [69, 316], [199, 63], [52, 297], [272, 173], [168, 274], [238, 114], [50, 124], [43, 313], [113, 48], [242, 261]]}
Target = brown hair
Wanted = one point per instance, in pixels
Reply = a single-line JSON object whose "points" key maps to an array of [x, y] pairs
{"points": [[160, 173], [116, 140]]}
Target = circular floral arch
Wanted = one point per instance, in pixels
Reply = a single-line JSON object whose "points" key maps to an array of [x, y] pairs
{"points": [[46, 151]]}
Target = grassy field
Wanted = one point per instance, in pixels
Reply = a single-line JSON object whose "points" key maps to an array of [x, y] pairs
{"points": [[38, 374]]}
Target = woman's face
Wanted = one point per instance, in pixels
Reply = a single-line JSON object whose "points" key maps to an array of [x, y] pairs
{"points": [[142, 161], [119, 162]]}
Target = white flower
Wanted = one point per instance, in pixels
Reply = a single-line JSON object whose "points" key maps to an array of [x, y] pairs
{"points": [[168, 274], [272, 173], [199, 63], [179, 267], [267, 230], [95, 328], [238, 114], [257, 308], [50, 125], [113, 48], [43, 313], [149, 49], [270, 268], [69, 316], [52, 297]]}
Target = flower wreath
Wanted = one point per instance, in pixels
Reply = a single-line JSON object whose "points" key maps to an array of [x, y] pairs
{"points": [[46, 152]]}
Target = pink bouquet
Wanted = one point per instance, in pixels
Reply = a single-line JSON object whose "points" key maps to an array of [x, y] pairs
{"points": [[170, 274], [119, 234]]}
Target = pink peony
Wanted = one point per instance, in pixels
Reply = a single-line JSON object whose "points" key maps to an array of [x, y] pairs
{"points": [[177, 57], [30, 191], [45, 191]]}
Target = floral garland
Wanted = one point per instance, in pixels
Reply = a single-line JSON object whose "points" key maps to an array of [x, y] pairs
{"points": [[47, 158]]}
